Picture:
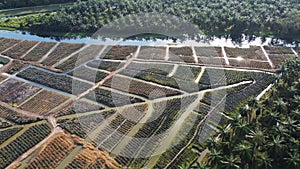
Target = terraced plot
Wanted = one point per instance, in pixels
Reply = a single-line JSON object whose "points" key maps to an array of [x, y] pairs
{"points": [[54, 80], [63, 50]]}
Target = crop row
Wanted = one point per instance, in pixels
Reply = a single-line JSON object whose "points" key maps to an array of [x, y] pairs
{"points": [[8, 86], [56, 81], [152, 53], [235, 99], [85, 55], [43, 102], [6, 134], [147, 138], [20, 49], [185, 135], [216, 61], [143, 89], [118, 128], [24, 142], [82, 125], [187, 72], [20, 94], [222, 77], [111, 99], [92, 158], [208, 52], [105, 65], [53, 153], [254, 52], [7, 43], [15, 117], [181, 51], [250, 64], [278, 50], [277, 60], [88, 74], [61, 51], [118, 52], [78, 107], [39, 51]]}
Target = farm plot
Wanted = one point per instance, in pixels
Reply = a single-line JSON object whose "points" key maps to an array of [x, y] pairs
{"points": [[279, 54], [158, 73], [39, 51], [52, 153], [83, 125], [118, 52], [20, 94], [7, 43], [111, 135], [149, 136], [110, 98], [187, 72], [78, 107], [185, 135], [53, 80], [15, 66], [5, 123], [142, 89], [254, 52], [61, 51], [105, 65], [250, 64], [208, 52], [212, 78], [152, 53], [43, 102], [15, 117], [24, 142], [90, 157], [217, 61], [8, 86], [279, 50], [6, 134], [278, 59], [85, 55], [88, 74], [182, 54], [4, 61], [20, 49]]}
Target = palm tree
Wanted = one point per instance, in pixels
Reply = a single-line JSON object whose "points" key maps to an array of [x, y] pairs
{"points": [[293, 160], [230, 162]]}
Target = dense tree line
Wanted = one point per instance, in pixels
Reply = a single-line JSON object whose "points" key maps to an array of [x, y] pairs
{"points": [[265, 134], [6, 4], [279, 18]]}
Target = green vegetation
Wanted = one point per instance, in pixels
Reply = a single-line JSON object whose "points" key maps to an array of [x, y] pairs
{"points": [[234, 17], [7, 4], [265, 134], [32, 10]]}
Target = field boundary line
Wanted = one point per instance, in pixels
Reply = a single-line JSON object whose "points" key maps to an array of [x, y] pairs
{"points": [[34, 46], [167, 56], [200, 74], [5, 50], [31, 97], [173, 70], [267, 56], [295, 52], [72, 54], [49, 52], [195, 55], [225, 55]]}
